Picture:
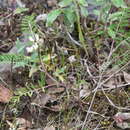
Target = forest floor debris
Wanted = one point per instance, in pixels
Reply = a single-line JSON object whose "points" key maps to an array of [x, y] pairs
{"points": [[66, 88]]}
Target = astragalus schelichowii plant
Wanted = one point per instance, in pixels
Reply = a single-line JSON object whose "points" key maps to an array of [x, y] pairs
{"points": [[35, 41]]}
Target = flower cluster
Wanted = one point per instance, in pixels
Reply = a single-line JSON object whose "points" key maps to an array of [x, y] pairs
{"points": [[35, 40]]}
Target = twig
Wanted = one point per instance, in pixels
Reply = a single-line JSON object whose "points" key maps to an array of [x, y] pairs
{"points": [[72, 40], [104, 76], [110, 77], [90, 72], [112, 87], [112, 104], [99, 85], [96, 113], [44, 70], [3, 81], [95, 91]]}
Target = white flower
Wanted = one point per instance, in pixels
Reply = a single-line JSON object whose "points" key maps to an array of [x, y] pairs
{"points": [[34, 38], [42, 17], [35, 42], [32, 48], [29, 49], [35, 47], [72, 59]]}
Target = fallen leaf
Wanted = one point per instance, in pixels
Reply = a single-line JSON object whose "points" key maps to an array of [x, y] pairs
{"points": [[41, 100], [51, 3], [11, 125], [123, 116], [114, 81], [84, 91], [49, 128], [20, 124], [49, 81], [110, 83], [122, 120], [56, 108], [5, 94], [123, 125], [55, 90], [126, 77], [23, 123]]}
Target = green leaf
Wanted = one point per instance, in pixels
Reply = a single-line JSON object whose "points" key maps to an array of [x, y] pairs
{"points": [[83, 2], [65, 3], [69, 18], [70, 15], [96, 2], [59, 73], [33, 70], [20, 46], [61, 70], [84, 11], [20, 64], [20, 10], [119, 3], [111, 33], [48, 57], [52, 16], [115, 16]]}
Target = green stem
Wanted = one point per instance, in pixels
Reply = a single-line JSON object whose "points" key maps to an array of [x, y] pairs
{"points": [[81, 37]]}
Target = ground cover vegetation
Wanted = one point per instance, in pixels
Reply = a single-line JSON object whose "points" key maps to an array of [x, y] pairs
{"points": [[64, 64]]}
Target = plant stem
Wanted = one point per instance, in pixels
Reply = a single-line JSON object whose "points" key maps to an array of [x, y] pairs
{"points": [[81, 37]]}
